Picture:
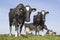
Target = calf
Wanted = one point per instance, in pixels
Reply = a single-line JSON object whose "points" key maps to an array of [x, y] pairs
{"points": [[29, 27], [50, 32]]}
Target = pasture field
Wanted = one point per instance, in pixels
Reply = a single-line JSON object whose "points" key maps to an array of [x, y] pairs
{"points": [[29, 37]]}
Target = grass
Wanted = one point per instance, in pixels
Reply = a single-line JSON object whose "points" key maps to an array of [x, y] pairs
{"points": [[29, 37]]}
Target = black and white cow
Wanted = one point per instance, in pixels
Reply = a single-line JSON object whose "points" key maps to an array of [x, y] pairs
{"points": [[29, 27], [18, 15], [50, 32], [39, 20]]}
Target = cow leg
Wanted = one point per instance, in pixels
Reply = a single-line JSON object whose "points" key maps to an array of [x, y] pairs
{"points": [[21, 28], [10, 30], [16, 29], [45, 27], [36, 31], [21, 25], [16, 32]]}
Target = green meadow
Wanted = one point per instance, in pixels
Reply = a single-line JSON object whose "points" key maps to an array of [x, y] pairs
{"points": [[29, 37]]}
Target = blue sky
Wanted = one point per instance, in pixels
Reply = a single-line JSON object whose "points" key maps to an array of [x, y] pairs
{"points": [[52, 19]]}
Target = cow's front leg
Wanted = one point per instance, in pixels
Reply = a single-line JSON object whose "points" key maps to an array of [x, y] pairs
{"points": [[10, 31], [16, 31], [35, 32], [38, 32]]}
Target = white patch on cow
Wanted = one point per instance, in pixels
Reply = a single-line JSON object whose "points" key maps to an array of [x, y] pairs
{"points": [[27, 29], [27, 8], [43, 34], [27, 22], [50, 33], [43, 12]]}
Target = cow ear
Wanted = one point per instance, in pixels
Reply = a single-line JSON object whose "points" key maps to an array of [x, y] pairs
{"points": [[11, 9], [34, 9], [47, 12], [39, 13]]}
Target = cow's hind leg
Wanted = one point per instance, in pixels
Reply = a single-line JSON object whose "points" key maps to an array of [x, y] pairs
{"points": [[21, 26], [36, 31]]}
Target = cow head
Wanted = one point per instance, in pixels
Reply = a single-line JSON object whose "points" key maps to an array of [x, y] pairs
{"points": [[25, 11], [20, 9], [43, 14], [28, 10]]}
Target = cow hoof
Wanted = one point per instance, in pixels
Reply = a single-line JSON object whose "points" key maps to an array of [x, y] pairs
{"points": [[42, 35], [10, 34], [19, 34]]}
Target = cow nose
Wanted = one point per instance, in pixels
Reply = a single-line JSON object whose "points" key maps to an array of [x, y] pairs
{"points": [[27, 20]]}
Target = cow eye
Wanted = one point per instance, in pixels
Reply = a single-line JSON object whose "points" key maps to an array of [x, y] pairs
{"points": [[21, 9]]}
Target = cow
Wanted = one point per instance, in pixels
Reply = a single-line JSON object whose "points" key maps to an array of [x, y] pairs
{"points": [[18, 15], [50, 32], [39, 21], [29, 27]]}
